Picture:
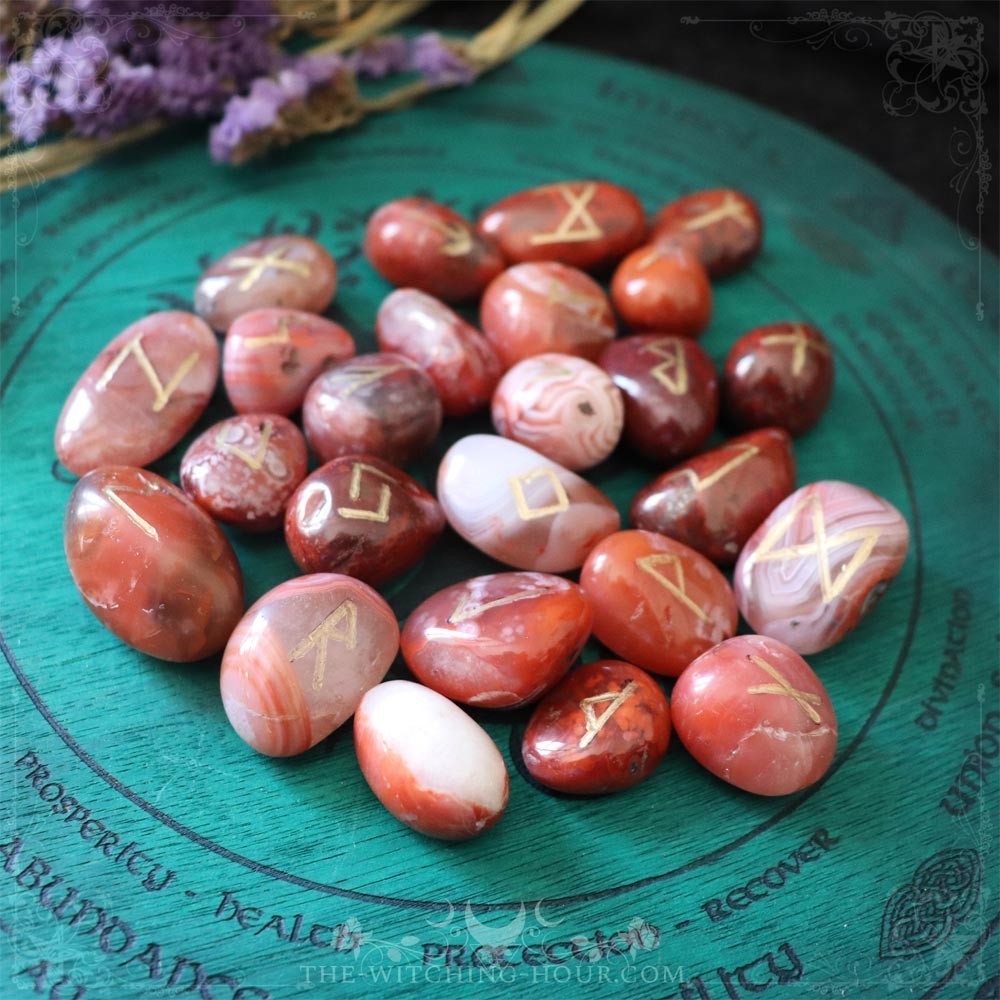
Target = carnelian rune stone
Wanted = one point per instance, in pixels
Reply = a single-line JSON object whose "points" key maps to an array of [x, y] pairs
{"points": [[301, 659], [605, 727], [418, 243], [715, 501], [151, 565], [140, 395], [478, 641], [754, 713], [656, 602]]}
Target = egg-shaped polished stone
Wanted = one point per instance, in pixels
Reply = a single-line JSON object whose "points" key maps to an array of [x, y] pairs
{"points": [[722, 227], [779, 375], [360, 516], [564, 407], [663, 288], [754, 713], [243, 470], [520, 507], [586, 224], [151, 565], [301, 659], [657, 603], [428, 763], [270, 357], [140, 395], [375, 404], [605, 727], [715, 501], [671, 393], [418, 243], [287, 271], [497, 641], [546, 308], [819, 563], [459, 360]]}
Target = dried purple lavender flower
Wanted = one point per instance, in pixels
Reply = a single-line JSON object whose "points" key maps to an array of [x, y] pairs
{"points": [[440, 61], [381, 57]]}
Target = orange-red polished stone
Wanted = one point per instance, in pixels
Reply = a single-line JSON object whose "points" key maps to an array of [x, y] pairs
{"points": [[152, 566], [243, 470], [478, 641], [301, 659], [663, 288], [715, 501], [586, 224], [656, 602], [754, 713], [418, 243], [604, 728], [140, 395]]}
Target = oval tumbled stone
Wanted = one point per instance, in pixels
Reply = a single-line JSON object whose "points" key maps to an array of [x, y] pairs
{"points": [[428, 763], [152, 566], [301, 659], [140, 395], [520, 507]]}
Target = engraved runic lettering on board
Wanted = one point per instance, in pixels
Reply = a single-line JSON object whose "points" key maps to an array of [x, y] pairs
{"points": [[283, 336], [805, 699], [161, 392], [595, 723], [577, 224], [256, 266], [256, 460], [818, 547], [731, 208], [744, 452], [525, 511], [801, 343], [652, 564], [357, 377], [340, 625], [463, 612], [672, 371], [113, 493], [381, 513]]}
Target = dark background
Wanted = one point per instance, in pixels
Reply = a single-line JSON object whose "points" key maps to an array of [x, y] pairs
{"points": [[835, 87]]}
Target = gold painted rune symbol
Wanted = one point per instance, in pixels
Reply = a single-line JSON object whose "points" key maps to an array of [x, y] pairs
{"points": [[463, 612], [358, 376], [672, 371], [256, 460], [256, 266], [744, 452], [577, 224], [651, 564], [457, 235], [818, 547], [113, 493], [595, 723], [341, 625], [731, 208], [801, 343], [161, 392], [283, 336], [381, 513], [805, 699], [590, 305], [525, 511]]}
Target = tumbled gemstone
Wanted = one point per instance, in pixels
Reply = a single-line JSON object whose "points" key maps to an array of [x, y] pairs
{"points": [[428, 763], [754, 713], [604, 728], [564, 407], [288, 272], [459, 360], [662, 288], [819, 564], [779, 375], [418, 243], [715, 501], [360, 516], [301, 659], [374, 404], [497, 641], [546, 308], [520, 507], [722, 227], [270, 357], [671, 394], [657, 603], [586, 224], [151, 565], [243, 470], [140, 395]]}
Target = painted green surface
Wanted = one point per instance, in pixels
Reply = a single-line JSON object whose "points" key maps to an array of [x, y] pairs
{"points": [[145, 746]]}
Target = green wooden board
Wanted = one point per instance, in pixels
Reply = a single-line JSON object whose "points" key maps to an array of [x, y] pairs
{"points": [[173, 854]]}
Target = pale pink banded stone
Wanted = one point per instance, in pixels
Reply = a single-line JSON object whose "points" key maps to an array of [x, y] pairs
{"points": [[819, 564], [520, 507]]}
